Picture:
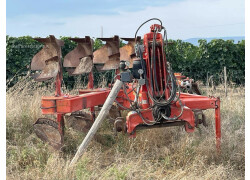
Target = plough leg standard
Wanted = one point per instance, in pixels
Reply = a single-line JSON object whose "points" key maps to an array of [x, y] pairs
{"points": [[150, 91]]}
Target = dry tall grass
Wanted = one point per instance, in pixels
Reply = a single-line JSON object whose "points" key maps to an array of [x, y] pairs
{"points": [[168, 153]]}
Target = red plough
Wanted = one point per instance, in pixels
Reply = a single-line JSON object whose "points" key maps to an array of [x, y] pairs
{"points": [[147, 87]]}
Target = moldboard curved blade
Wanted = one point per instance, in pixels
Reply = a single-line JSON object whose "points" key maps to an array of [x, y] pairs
{"points": [[108, 54], [85, 66], [127, 52], [43, 59], [75, 58], [47, 131], [112, 63], [81, 122], [99, 66], [50, 70]]}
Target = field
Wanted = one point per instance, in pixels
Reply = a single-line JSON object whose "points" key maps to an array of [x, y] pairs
{"points": [[166, 153]]}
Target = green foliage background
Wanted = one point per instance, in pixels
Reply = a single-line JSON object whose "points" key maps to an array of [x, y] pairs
{"points": [[197, 62], [209, 59]]}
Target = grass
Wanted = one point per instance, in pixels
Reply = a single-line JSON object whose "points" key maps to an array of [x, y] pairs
{"points": [[166, 153]]}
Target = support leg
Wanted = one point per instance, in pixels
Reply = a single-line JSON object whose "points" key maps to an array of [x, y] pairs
{"points": [[58, 91], [92, 110], [91, 86], [60, 122], [91, 80], [218, 125]]}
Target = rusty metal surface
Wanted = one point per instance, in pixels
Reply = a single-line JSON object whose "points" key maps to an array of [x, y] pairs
{"points": [[81, 122], [120, 125], [114, 112], [195, 88], [51, 49], [127, 52], [99, 66], [47, 131], [75, 58], [48, 59], [200, 118], [50, 70], [85, 66], [112, 64], [108, 54]]}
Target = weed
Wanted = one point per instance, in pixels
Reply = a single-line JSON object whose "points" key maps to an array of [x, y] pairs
{"points": [[166, 153]]}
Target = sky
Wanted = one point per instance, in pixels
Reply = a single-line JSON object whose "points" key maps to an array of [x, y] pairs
{"points": [[183, 19]]}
